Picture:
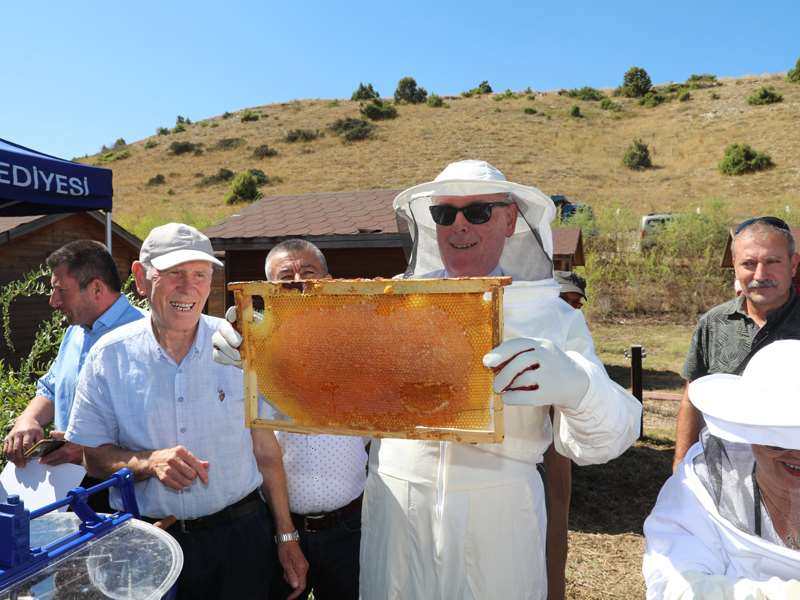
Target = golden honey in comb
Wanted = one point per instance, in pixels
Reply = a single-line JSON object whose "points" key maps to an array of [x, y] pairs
{"points": [[379, 362]]}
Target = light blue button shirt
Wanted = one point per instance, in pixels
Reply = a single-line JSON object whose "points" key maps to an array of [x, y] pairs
{"points": [[58, 384], [133, 395]]}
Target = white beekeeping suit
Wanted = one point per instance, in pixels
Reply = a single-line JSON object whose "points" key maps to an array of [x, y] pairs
{"points": [[452, 521], [710, 535]]}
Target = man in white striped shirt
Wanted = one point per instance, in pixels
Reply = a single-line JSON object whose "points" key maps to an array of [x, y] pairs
{"points": [[325, 474]]}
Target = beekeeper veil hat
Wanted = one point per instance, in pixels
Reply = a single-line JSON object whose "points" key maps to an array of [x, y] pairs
{"points": [[761, 405], [528, 253]]}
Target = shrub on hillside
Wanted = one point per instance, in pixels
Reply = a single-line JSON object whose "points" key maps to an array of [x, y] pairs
{"points": [[244, 188], [529, 110], [302, 135], [575, 112], [609, 104], [704, 80], [227, 144], [435, 101], [636, 83], [248, 116], [507, 95], [794, 74], [584, 93], [378, 110], [652, 99], [179, 120], [637, 156], [365, 92], [408, 91], [264, 151], [178, 148], [112, 156], [259, 175], [483, 88], [150, 144], [352, 130], [764, 95], [162, 131], [179, 127], [684, 96], [221, 176], [156, 180], [227, 115], [741, 158]]}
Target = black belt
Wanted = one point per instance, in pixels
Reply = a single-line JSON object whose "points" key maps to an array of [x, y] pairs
{"points": [[312, 523], [247, 505]]}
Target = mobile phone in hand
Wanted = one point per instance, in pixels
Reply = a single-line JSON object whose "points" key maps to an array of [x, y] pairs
{"points": [[43, 448]]}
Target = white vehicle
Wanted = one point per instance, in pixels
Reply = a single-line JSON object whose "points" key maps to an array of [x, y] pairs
{"points": [[649, 227]]}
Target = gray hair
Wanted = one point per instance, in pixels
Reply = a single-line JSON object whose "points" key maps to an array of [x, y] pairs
{"points": [[295, 245], [763, 228]]}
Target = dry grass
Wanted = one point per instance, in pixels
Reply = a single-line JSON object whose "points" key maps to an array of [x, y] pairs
{"points": [[610, 502], [578, 157]]}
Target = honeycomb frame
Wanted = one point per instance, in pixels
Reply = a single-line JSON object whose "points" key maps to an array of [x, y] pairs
{"points": [[483, 294]]}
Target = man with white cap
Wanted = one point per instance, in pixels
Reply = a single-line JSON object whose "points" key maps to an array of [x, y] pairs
{"points": [[727, 524], [151, 398], [449, 520]]}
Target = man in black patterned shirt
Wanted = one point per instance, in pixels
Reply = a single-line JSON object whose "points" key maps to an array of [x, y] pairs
{"points": [[764, 262]]}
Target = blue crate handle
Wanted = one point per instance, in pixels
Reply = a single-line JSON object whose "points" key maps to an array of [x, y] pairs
{"points": [[18, 559]]}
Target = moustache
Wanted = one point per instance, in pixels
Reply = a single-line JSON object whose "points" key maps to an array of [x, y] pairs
{"points": [[762, 283]]}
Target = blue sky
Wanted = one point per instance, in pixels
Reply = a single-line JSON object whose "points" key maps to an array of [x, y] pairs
{"points": [[80, 74]]}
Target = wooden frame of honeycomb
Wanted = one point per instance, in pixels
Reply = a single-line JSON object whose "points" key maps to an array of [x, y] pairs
{"points": [[374, 358]]}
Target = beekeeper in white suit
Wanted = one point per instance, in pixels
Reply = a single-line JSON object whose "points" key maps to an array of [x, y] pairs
{"points": [[444, 520], [448, 520], [727, 524]]}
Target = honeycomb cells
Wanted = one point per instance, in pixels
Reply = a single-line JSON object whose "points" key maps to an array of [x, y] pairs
{"points": [[376, 363]]}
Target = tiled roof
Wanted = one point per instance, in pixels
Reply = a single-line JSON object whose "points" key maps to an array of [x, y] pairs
{"points": [[9, 223], [13, 227], [318, 214]]}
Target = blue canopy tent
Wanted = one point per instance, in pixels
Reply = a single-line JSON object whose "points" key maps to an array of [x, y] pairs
{"points": [[33, 183]]}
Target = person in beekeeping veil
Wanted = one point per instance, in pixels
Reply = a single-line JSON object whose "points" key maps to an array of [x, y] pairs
{"points": [[727, 523], [445, 520]]}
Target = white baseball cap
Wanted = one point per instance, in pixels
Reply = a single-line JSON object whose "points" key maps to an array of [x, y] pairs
{"points": [[175, 243]]}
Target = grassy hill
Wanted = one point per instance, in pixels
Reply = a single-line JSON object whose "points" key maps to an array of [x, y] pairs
{"points": [[580, 157]]}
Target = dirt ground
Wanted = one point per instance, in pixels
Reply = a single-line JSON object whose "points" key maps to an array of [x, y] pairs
{"points": [[609, 505]]}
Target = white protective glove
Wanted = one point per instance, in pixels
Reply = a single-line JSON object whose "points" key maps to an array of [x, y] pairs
{"points": [[226, 341], [534, 372]]}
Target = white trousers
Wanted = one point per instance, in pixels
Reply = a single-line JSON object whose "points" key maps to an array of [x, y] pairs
{"points": [[488, 544]]}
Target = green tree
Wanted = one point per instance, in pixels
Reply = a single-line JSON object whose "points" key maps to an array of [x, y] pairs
{"points": [[365, 92], [408, 91], [636, 83]]}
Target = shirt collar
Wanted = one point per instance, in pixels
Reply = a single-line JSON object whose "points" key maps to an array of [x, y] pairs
{"points": [[496, 272], [739, 306], [201, 340], [111, 315]]}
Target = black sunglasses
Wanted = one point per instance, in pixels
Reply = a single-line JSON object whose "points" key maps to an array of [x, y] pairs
{"points": [[476, 213], [771, 221]]}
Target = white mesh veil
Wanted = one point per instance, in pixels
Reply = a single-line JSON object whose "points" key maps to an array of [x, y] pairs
{"points": [[528, 253]]}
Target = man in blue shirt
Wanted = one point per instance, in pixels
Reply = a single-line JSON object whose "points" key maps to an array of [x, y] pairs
{"points": [[152, 399], [86, 288]]}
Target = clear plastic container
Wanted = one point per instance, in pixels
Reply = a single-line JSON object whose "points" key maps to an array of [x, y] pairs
{"points": [[134, 561]]}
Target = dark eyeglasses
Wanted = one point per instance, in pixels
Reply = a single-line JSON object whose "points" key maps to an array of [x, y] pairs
{"points": [[771, 221], [476, 213]]}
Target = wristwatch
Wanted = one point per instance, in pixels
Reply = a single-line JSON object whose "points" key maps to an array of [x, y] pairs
{"points": [[292, 536]]}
